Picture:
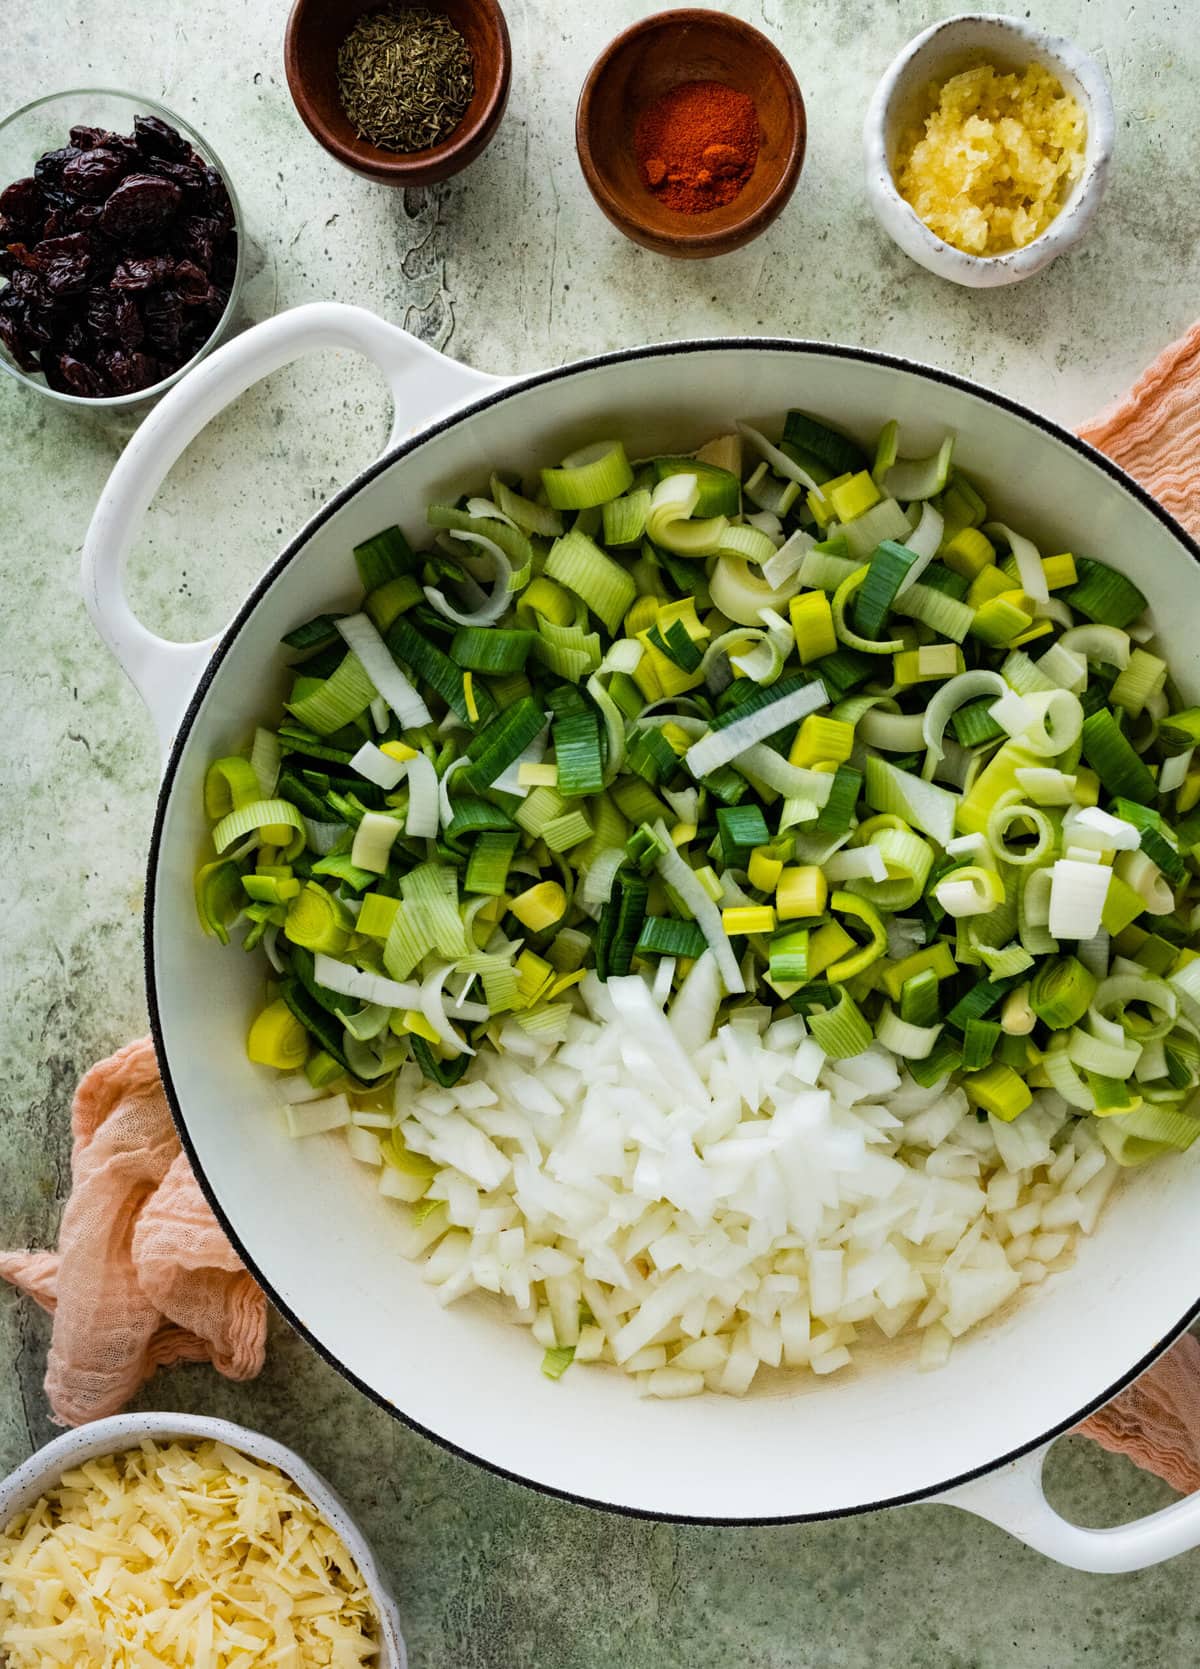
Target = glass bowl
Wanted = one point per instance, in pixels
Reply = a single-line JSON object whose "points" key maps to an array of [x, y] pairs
{"points": [[44, 126]]}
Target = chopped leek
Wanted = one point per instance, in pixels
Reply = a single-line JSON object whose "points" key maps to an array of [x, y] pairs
{"points": [[621, 726]]}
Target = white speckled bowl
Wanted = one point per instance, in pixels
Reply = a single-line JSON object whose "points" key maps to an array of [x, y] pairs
{"points": [[943, 50], [125, 1431]]}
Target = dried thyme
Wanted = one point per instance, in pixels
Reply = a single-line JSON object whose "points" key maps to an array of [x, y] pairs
{"points": [[405, 78]]}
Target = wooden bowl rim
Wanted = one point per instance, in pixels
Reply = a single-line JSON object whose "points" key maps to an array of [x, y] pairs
{"points": [[653, 233], [400, 168]]}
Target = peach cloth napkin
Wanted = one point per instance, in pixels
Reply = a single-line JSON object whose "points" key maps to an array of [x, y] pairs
{"points": [[144, 1276]]}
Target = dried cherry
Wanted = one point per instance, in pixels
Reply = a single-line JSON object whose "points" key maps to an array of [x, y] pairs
{"points": [[24, 204], [162, 315], [157, 138], [140, 207], [65, 263], [14, 333], [48, 169], [142, 272], [127, 372], [93, 174], [127, 324], [71, 376]]}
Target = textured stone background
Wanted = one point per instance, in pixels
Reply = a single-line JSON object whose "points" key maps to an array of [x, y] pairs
{"points": [[512, 267]]}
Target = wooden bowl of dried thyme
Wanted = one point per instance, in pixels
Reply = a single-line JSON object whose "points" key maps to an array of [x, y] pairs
{"points": [[402, 94]]}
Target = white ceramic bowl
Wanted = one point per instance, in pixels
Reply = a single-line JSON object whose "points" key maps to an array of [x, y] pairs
{"points": [[125, 1431], [308, 1219], [941, 51]]}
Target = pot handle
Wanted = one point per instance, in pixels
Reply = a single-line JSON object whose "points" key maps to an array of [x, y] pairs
{"points": [[1013, 1499], [424, 384]]}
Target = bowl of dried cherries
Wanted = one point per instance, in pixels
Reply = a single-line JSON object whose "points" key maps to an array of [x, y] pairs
{"points": [[120, 248]]}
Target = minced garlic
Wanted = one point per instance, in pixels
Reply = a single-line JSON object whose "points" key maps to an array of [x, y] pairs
{"points": [[188, 1556], [993, 157]]}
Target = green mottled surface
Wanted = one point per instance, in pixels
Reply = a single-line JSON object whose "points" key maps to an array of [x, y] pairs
{"points": [[512, 267]]}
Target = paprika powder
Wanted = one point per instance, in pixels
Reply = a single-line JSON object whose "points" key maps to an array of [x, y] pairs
{"points": [[697, 145]]}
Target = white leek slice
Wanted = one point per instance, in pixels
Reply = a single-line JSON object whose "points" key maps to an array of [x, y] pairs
{"points": [[1027, 558], [265, 758], [1064, 667], [1013, 713], [925, 540], [741, 592], [893, 732], [738, 539], [1099, 643], [378, 767], [433, 1007], [719, 747], [1173, 771], [949, 697], [860, 863], [373, 841], [681, 878], [509, 780], [368, 1022], [779, 461], [598, 882], [766, 521], [484, 509], [974, 848], [1147, 880], [348, 981], [969, 892], [1077, 894], [911, 478], [445, 804], [363, 640], [1089, 826], [761, 764], [788, 559], [1118, 990], [323, 837], [1057, 723], [685, 803], [764, 662], [421, 819], [915, 1043], [923, 804], [1046, 785], [1103, 1054], [493, 605], [669, 524], [1066, 1080], [1185, 982]]}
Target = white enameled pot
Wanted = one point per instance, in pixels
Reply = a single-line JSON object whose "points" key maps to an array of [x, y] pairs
{"points": [[44, 1469], [306, 1217]]}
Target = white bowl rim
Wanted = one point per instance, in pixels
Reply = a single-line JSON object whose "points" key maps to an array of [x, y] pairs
{"points": [[1066, 229], [45, 1467], [521, 384]]}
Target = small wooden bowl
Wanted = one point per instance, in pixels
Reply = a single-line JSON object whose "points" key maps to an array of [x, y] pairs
{"points": [[645, 62], [315, 31]]}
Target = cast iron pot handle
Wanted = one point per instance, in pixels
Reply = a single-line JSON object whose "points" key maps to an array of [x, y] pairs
{"points": [[424, 384], [1013, 1499]]}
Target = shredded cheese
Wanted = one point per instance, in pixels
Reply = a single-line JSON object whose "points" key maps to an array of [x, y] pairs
{"points": [[992, 157], [180, 1554]]}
